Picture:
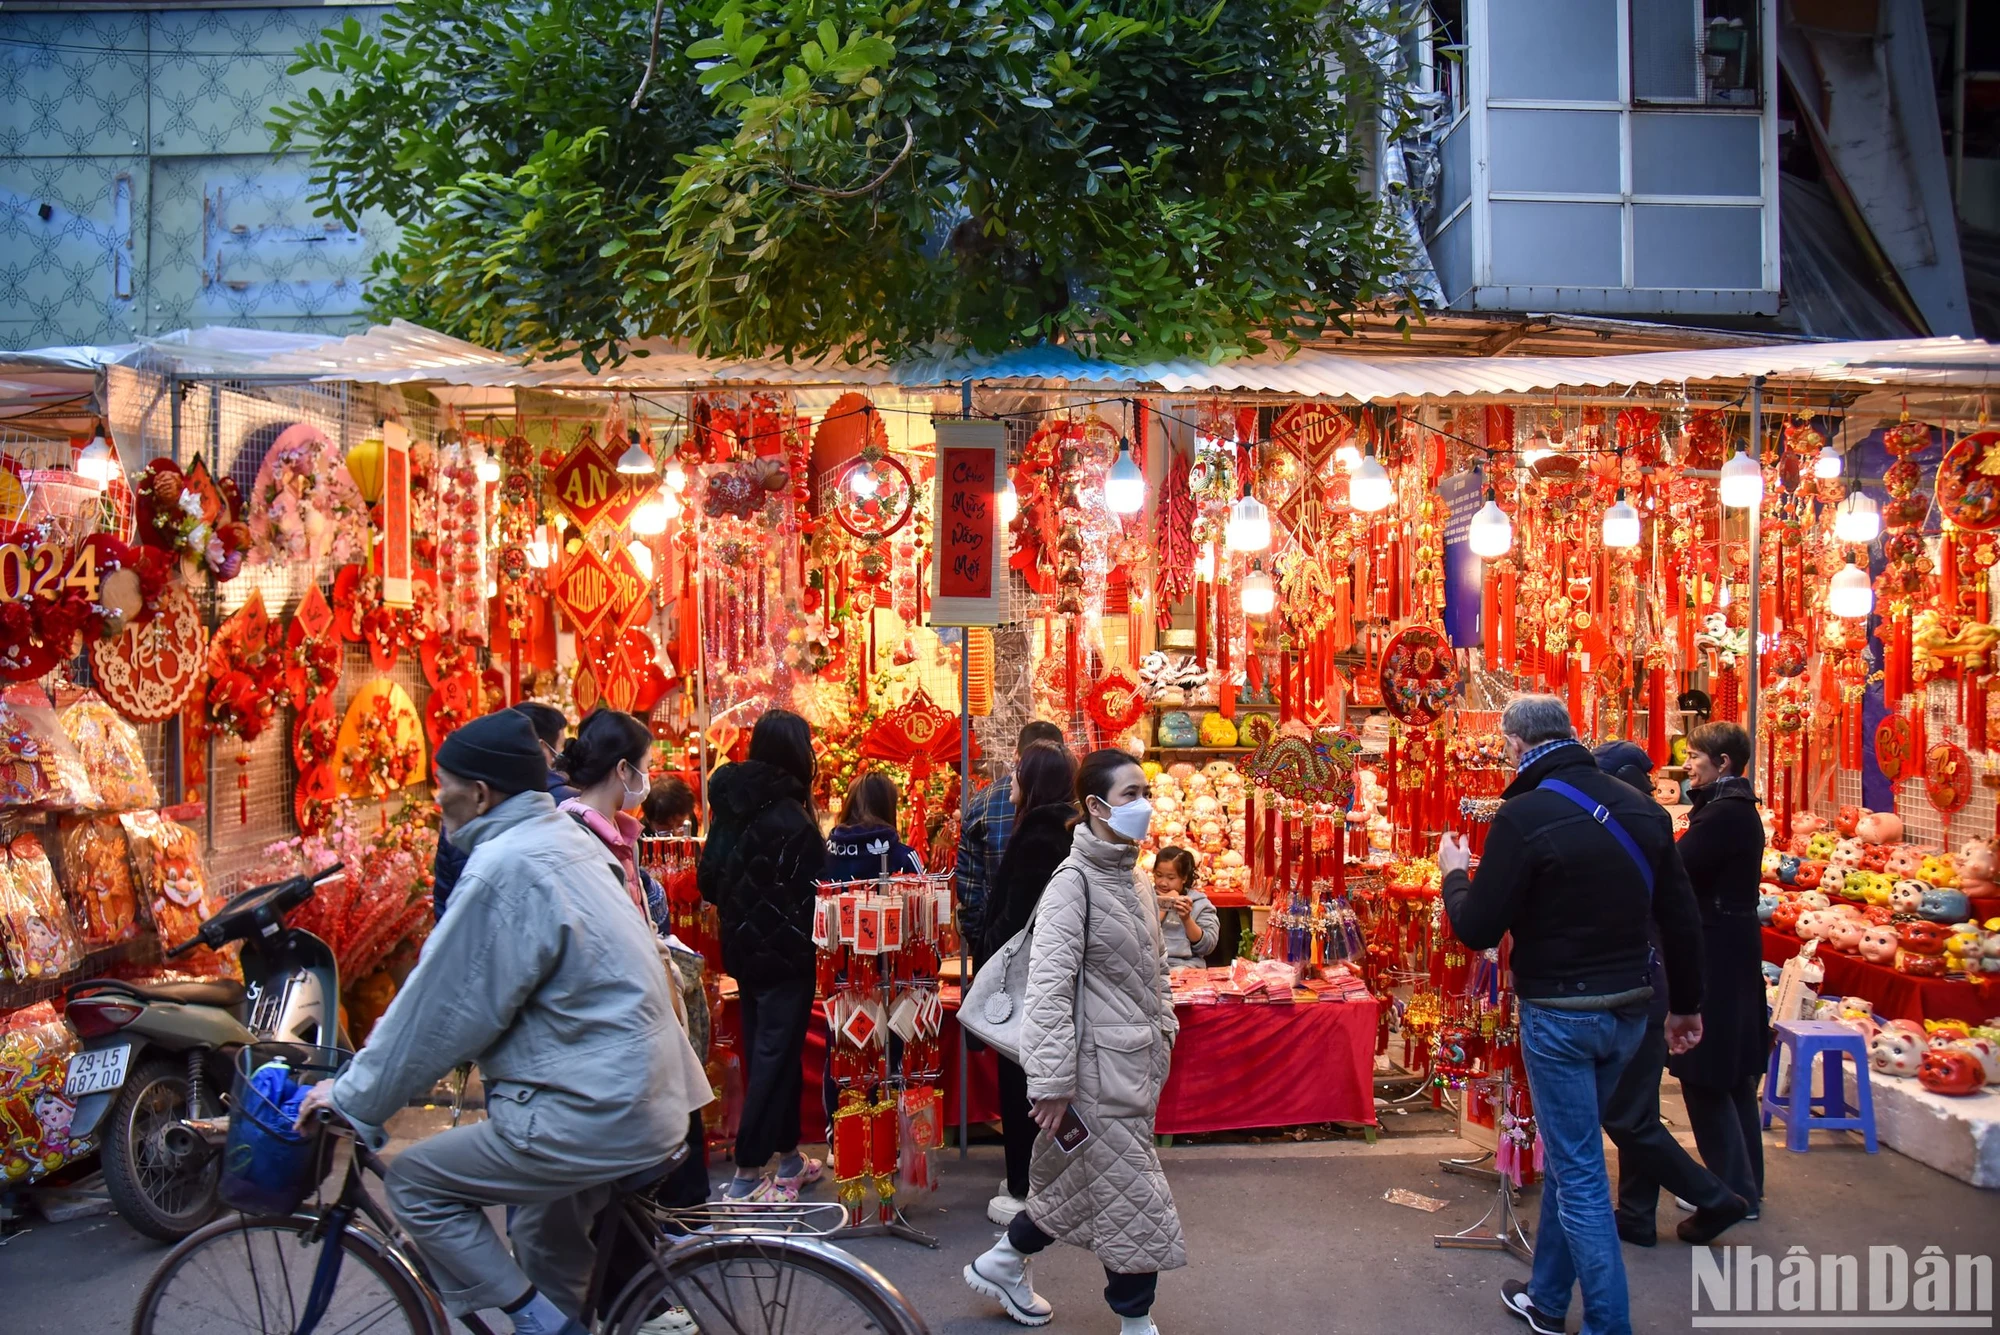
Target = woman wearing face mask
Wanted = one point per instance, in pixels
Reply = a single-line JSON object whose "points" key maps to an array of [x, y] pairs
{"points": [[606, 762], [1096, 1036]]}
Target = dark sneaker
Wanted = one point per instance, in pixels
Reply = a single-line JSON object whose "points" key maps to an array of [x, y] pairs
{"points": [[1515, 1295], [1705, 1226]]}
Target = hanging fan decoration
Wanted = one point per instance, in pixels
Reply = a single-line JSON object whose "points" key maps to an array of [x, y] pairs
{"points": [[381, 747], [923, 738], [1419, 675]]}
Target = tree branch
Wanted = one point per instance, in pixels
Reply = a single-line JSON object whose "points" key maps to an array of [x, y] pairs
{"points": [[652, 54], [909, 141]]}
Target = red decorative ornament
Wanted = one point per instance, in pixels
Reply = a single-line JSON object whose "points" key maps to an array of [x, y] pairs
{"points": [[1948, 777], [1894, 741], [1116, 702], [148, 672], [920, 735], [1789, 655], [885, 502], [1968, 482], [1420, 676]]}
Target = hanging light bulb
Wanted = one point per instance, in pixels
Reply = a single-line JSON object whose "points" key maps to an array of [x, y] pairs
{"points": [[1856, 520], [1742, 481], [862, 481], [642, 557], [1249, 526], [1348, 456], [1010, 502], [635, 462], [538, 551], [97, 463], [1849, 594], [1539, 449], [1491, 532], [1259, 595], [1827, 464], [487, 469], [650, 519], [1371, 489], [676, 476], [1125, 485], [672, 504], [1621, 523]]}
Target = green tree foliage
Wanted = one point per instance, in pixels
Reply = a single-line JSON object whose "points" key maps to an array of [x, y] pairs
{"points": [[804, 177]]}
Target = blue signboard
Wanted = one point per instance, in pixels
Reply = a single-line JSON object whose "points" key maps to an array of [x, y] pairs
{"points": [[1462, 494]]}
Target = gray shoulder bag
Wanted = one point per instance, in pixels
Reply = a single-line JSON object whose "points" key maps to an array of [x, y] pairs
{"points": [[992, 1007]]}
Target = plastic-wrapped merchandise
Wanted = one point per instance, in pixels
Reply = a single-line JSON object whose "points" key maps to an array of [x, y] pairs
{"points": [[113, 759], [97, 870], [35, 1117], [39, 767], [166, 861], [37, 941]]}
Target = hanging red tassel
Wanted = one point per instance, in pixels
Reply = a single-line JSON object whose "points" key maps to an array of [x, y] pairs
{"points": [[1657, 748]]}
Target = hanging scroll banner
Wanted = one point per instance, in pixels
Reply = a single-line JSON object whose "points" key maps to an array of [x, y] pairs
{"points": [[397, 589], [968, 579]]}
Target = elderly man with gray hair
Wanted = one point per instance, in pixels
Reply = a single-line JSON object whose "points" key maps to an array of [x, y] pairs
{"points": [[1575, 865]]}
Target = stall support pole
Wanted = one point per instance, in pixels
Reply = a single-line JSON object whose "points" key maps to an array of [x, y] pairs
{"points": [[965, 797], [1756, 579]]}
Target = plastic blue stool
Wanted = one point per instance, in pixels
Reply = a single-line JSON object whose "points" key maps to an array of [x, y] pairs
{"points": [[1807, 1041]]}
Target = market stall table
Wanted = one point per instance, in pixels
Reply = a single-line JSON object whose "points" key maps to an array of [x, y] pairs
{"points": [[1236, 1068], [1897, 996]]}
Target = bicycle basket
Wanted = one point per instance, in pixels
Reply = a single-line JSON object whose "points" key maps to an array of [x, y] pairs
{"points": [[267, 1166]]}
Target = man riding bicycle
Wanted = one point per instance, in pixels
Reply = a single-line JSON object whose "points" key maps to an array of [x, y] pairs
{"points": [[542, 972]]}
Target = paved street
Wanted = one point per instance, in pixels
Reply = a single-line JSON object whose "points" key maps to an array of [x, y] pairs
{"points": [[1282, 1238]]}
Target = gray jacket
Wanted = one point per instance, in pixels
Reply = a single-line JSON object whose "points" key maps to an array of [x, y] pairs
{"points": [[1181, 953], [543, 973]]}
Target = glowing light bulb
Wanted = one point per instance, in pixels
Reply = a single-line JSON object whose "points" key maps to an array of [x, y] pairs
{"points": [[1856, 520], [862, 480], [97, 463], [1742, 481], [1010, 503], [1827, 464], [1848, 594], [1124, 485], [650, 519], [676, 476], [642, 557], [1348, 456], [1371, 489], [1259, 595], [635, 462], [1249, 526], [1491, 532], [487, 469], [1621, 524]]}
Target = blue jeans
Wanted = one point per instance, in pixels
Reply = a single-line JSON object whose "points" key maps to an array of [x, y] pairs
{"points": [[1574, 1059]]}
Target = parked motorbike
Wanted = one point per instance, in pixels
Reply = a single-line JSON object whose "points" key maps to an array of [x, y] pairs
{"points": [[154, 1075]]}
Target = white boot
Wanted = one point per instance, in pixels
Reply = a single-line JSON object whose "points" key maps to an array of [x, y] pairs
{"points": [[1001, 1272], [1002, 1208], [1137, 1325]]}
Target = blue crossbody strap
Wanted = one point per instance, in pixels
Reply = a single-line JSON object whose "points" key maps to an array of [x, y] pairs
{"points": [[1602, 815]]}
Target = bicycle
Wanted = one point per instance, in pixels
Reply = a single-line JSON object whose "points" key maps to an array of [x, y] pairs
{"points": [[346, 1269]]}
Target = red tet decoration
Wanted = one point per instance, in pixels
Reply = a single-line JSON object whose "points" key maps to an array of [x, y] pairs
{"points": [[1893, 744], [589, 487], [920, 735], [1948, 777], [1420, 677], [1116, 702], [586, 590], [1968, 482], [149, 671]]}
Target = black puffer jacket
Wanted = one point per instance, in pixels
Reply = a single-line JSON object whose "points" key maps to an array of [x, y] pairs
{"points": [[1723, 851], [1567, 889], [1038, 845], [758, 868]]}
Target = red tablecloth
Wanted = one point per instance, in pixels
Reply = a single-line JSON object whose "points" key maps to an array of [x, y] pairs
{"points": [[1235, 1068], [1897, 996]]}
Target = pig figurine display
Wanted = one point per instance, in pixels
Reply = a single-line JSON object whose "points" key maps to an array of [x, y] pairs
{"points": [[1811, 876], [1813, 925], [1766, 906], [1833, 881], [1944, 906], [1896, 1051], [1904, 862], [1907, 896], [1846, 819], [1813, 899], [1982, 1050], [1950, 1071], [1845, 935], [1976, 868], [1879, 827], [1847, 855], [1785, 917], [1879, 945]]}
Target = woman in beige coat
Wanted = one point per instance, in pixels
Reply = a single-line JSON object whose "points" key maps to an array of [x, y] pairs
{"points": [[1098, 1049]]}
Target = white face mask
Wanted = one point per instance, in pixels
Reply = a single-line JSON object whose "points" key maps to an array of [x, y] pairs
{"points": [[1129, 822], [633, 799]]}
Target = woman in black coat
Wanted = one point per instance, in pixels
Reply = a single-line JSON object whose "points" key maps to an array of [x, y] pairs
{"points": [[759, 868], [1723, 851], [1044, 806]]}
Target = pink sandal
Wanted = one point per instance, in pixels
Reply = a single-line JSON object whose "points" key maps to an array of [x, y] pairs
{"points": [[807, 1176]]}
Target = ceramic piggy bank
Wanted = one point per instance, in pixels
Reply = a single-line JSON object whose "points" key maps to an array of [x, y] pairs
{"points": [[1820, 846], [1766, 906], [1976, 867], [1812, 924], [1810, 823], [1939, 870], [1811, 876], [1950, 1071], [1788, 869], [1880, 827], [1845, 936], [1904, 862], [1924, 938], [1785, 917], [1833, 881], [1847, 854], [1813, 899], [1984, 1051], [1896, 1052], [1907, 896], [1846, 819], [1944, 905], [1878, 945], [1773, 860]]}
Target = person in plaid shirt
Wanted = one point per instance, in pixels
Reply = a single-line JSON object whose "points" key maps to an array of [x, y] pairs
{"points": [[989, 822]]}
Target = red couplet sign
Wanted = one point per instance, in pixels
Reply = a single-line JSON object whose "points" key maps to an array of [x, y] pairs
{"points": [[969, 583]]}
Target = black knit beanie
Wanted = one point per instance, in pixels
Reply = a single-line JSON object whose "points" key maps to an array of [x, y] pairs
{"points": [[498, 749]]}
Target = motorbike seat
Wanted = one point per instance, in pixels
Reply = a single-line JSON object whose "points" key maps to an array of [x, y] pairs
{"points": [[225, 992]]}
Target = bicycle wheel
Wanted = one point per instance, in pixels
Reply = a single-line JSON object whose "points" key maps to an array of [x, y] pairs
{"points": [[253, 1275], [764, 1286]]}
